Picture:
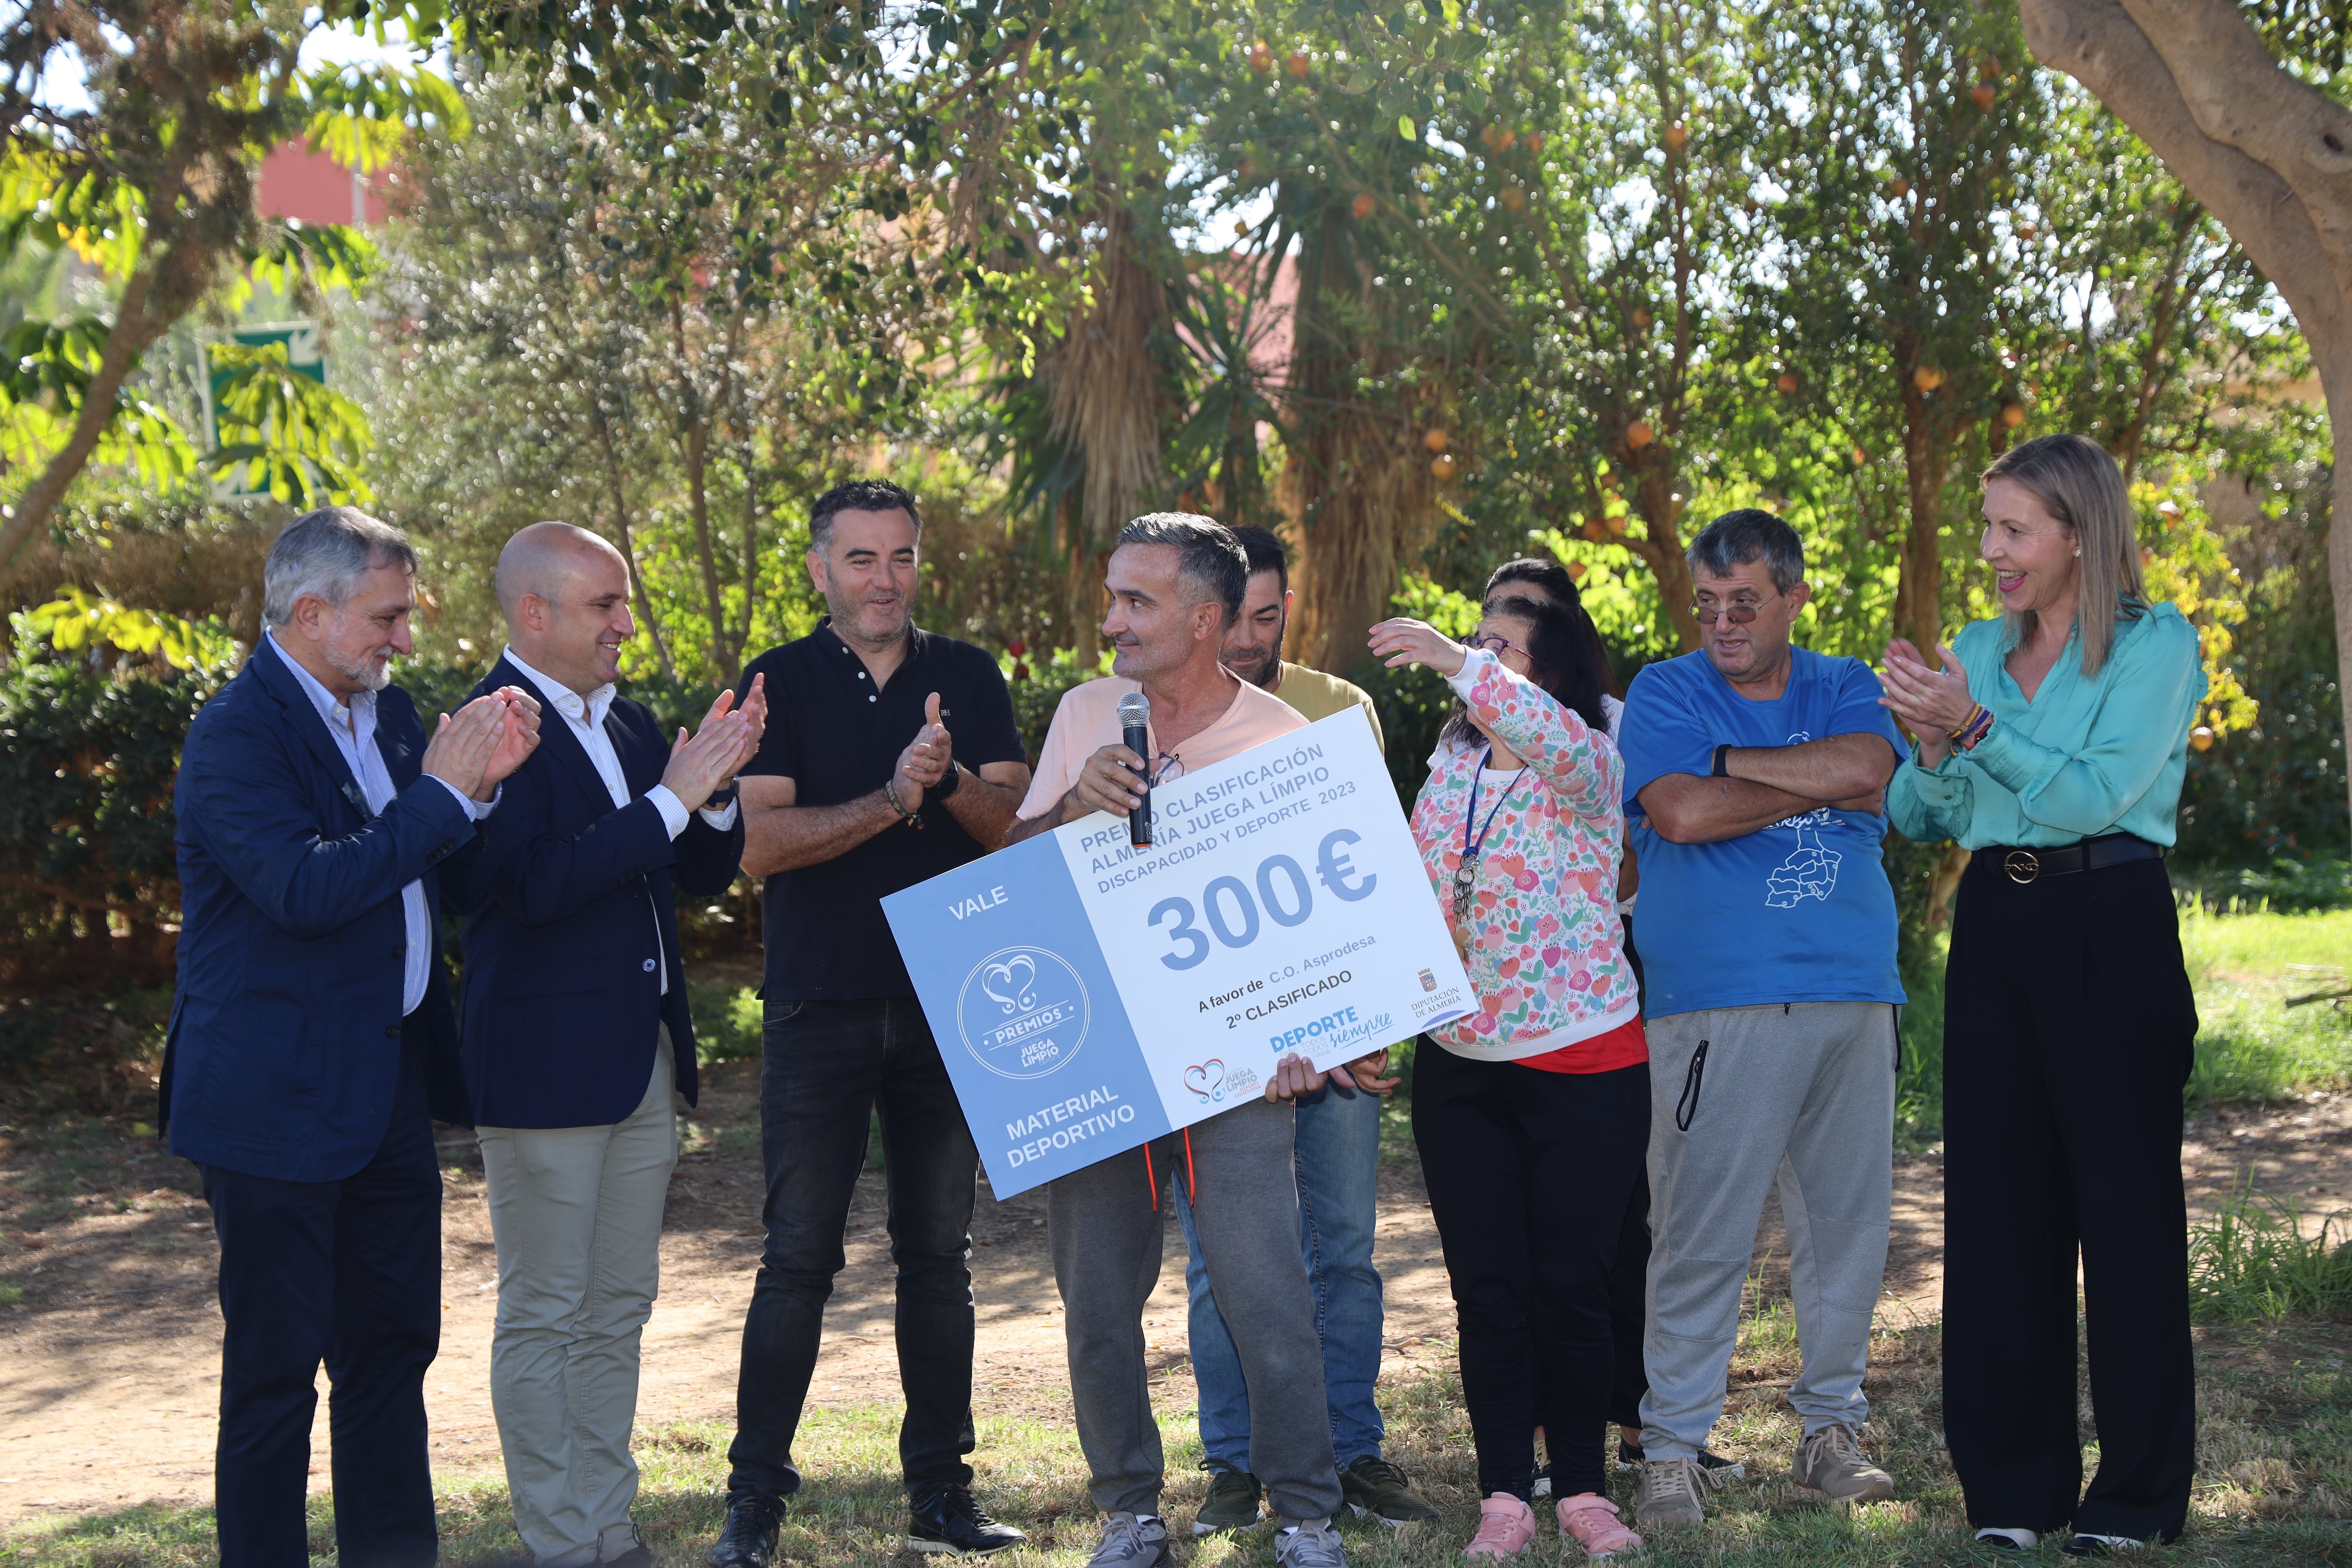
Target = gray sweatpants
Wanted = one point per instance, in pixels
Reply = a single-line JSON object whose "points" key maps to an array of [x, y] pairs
{"points": [[1806, 1092], [1104, 1223]]}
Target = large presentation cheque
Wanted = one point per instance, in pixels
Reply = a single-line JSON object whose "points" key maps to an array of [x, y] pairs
{"points": [[1089, 996]]}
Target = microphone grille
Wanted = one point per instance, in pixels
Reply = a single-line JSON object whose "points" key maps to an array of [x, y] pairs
{"points": [[1134, 709]]}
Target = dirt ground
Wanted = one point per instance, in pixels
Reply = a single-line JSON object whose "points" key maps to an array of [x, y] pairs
{"points": [[109, 1353]]}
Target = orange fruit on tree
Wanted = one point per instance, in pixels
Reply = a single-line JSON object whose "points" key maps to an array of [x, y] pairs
{"points": [[2026, 231], [1363, 205], [1900, 187], [1441, 467], [1983, 92], [1434, 439], [2012, 415], [1860, 456], [1576, 570], [1299, 63], [1787, 382], [1261, 58], [1926, 378], [1639, 434], [1641, 318], [1675, 137], [2200, 739]]}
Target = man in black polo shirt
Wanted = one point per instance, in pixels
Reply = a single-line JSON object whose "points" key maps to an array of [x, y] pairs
{"points": [[890, 756]]}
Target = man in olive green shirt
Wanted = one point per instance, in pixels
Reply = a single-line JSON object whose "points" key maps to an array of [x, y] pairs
{"points": [[1338, 1163]]}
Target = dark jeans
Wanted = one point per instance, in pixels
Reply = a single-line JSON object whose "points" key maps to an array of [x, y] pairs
{"points": [[348, 1273], [2069, 1030], [828, 1064], [1530, 1179]]}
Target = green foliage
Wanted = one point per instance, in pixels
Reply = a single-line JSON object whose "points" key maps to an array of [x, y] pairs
{"points": [[75, 620], [148, 175], [87, 762], [2253, 1261], [1038, 692]]}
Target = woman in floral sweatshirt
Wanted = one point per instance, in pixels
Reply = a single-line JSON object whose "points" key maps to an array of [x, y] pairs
{"points": [[1532, 1115]]}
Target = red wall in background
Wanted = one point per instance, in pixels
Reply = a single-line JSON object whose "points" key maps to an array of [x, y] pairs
{"points": [[299, 184]]}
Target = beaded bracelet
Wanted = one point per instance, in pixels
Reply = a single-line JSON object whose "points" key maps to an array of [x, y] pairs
{"points": [[1974, 731]]}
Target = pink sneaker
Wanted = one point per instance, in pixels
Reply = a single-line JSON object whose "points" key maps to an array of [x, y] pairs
{"points": [[1592, 1521], [1505, 1527]]}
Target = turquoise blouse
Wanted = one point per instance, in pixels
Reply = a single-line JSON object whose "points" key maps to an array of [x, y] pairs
{"points": [[2090, 754]]}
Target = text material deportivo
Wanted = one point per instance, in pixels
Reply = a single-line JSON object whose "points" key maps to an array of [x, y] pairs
{"points": [[1089, 996]]}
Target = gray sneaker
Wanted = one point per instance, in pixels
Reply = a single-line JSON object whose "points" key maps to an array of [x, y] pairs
{"points": [[1670, 1493], [1832, 1462], [1310, 1543], [1131, 1542]]}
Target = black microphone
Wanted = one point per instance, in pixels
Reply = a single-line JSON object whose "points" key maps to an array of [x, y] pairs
{"points": [[1134, 722]]}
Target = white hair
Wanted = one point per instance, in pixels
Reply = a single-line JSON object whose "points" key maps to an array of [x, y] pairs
{"points": [[324, 555]]}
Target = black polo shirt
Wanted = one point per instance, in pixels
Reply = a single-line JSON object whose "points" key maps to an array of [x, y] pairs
{"points": [[837, 738]]}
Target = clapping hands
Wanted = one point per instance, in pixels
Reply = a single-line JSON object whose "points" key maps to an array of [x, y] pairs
{"points": [[730, 737], [928, 757], [475, 749]]}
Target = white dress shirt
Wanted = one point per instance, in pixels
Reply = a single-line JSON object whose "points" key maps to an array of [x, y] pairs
{"points": [[586, 717], [353, 728]]}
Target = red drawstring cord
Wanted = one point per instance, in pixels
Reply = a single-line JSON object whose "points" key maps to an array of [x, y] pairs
{"points": [[1191, 1186], [1150, 1177]]}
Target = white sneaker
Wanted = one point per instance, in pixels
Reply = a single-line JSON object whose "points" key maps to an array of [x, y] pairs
{"points": [[2016, 1539]]}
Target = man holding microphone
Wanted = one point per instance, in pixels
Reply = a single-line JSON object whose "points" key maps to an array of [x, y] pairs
{"points": [[1176, 583]]}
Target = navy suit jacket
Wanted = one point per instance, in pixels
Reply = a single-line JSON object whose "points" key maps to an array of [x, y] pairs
{"points": [[283, 1052], [562, 991]]}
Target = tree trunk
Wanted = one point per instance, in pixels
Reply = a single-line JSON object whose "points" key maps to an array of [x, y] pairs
{"points": [[2269, 157], [1919, 590], [125, 342], [629, 553]]}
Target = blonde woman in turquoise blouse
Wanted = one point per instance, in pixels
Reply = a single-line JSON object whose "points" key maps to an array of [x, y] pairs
{"points": [[2052, 745]]}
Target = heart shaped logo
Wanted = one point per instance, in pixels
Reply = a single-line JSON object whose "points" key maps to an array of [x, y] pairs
{"points": [[1011, 985], [1207, 1079]]}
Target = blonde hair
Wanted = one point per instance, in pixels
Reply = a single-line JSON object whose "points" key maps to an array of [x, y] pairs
{"points": [[2080, 485]]}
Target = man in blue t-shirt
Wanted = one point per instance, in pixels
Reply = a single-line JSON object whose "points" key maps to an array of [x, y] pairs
{"points": [[1754, 780]]}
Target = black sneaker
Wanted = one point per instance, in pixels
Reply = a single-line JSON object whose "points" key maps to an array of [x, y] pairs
{"points": [[949, 1519], [1714, 1468], [1376, 1489], [749, 1539], [1232, 1502]]}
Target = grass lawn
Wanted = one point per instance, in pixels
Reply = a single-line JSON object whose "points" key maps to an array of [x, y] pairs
{"points": [[2274, 1484]]}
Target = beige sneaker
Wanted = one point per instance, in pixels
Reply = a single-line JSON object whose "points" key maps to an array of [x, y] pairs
{"points": [[1669, 1495], [1832, 1462]]}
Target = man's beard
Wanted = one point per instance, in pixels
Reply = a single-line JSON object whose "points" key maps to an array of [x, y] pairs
{"points": [[1258, 668], [372, 673], [848, 623]]}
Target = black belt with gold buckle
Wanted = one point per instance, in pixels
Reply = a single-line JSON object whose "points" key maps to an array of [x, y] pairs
{"points": [[2023, 865]]}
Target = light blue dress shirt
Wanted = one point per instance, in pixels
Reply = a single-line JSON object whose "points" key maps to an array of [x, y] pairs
{"points": [[2089, 755], [353, 728]]}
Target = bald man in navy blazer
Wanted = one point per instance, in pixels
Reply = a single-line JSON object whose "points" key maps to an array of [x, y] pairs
{"points": [[578, 1043], [312, 1044]]}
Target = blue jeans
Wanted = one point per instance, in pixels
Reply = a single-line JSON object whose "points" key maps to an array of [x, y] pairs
{"points": [[1338, 1159]]}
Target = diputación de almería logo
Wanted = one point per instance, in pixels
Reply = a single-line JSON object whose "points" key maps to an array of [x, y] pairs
{"points": [[1022, 1012]]}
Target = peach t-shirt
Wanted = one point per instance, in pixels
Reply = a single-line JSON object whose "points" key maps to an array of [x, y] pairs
{"points": [[1087, 720]]}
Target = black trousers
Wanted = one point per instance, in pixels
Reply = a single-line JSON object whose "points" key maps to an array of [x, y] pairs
{"points": [[2069, 1030], [348, 1273], [1530, 1174], [827, 1066]]}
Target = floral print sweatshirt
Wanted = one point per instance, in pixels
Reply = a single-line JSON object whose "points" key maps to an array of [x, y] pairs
{"points": [[1545, 951]]}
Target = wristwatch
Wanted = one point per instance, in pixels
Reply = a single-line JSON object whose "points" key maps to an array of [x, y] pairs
{"points": [[945, 789], [721, 799]]}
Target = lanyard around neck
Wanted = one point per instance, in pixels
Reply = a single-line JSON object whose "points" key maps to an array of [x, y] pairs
{"points": [[1472, 848]]}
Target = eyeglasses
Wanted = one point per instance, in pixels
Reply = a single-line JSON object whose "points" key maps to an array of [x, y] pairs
{"points": [[1496, 644], [1169, 766], [1739, 612]]}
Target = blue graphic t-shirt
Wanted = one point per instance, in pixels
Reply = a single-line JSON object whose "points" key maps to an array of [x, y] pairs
{"points": [[1798, 911]]}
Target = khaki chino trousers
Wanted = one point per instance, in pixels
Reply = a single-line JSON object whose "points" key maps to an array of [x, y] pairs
{"points": [[576, 1214]]}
